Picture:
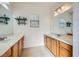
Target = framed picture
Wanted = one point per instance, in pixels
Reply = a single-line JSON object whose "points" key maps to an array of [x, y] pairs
{"points": [[34, 23]]}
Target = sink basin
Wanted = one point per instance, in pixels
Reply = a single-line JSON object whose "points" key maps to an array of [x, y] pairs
{"points": [[58, 34], [2, 38], [4, 42]]}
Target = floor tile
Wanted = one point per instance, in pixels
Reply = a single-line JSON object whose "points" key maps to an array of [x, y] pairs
{"points": [[40, 51]]}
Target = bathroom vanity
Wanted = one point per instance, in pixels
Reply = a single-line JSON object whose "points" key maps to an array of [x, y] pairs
{"points": [[12, 46], [60, 46], [59, 40]]}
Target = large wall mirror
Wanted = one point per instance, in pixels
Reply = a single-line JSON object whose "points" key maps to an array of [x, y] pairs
{"points": [[6, 28], [62, 23]]}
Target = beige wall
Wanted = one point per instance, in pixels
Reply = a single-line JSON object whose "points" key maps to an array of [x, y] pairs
{"points": [[33, 36]]}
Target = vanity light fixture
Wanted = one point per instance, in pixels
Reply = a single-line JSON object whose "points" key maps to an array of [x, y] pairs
{"points": [[62, 9], [5, 5], [59, 10], [55, 13]]}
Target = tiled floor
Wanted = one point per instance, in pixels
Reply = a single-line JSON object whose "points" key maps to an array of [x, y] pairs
{"points": [[40, 51]]}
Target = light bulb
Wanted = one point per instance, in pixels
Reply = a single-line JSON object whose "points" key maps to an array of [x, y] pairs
{"points": [[5, 6], [63, 7], [59, 10], [55, 13]]}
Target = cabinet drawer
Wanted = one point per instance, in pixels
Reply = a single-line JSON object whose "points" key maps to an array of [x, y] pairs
{"points": [[66, 46], [65, 53]]}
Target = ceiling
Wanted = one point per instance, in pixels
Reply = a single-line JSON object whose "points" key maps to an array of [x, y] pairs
{"points": [[42, 5], [48, 5]]}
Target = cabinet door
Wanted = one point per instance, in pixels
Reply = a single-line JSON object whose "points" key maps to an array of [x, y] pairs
{"points": [[45, 40], [48, 43], [66, 46], [15, 51], [7, 54], [20, 47], [54, 46], [22, 43], [64, 52], [58, 49]]}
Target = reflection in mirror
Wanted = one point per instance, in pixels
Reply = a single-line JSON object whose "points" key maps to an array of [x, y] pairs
{"points": [[62, 23], [6, 29]]}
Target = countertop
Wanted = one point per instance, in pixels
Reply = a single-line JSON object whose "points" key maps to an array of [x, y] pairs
{"points": [[8, 43], [63, 38]]}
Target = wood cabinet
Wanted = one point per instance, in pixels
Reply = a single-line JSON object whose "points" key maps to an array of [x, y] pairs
{"points": [[16, 49], [65, 50], [51, 44], [66, 46], [22, 40], [20, 48], [54, 47], [48, 43], [45, 41], [7, 54], [21, 45], [58, 48]]}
